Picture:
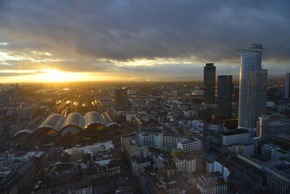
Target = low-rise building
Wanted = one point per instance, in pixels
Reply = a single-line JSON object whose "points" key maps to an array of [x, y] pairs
{"points": [[138, 163], [189, 145], [237, 136], [210, 183]]}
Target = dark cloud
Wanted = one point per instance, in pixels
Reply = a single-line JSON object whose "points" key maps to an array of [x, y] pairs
{"points": [[128, 29]]}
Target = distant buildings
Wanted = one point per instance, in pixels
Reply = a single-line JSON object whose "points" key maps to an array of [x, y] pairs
{"points": [[8, 93], [253, 87], [145, 144], [209, 83], [224, 98], [287, 85]]}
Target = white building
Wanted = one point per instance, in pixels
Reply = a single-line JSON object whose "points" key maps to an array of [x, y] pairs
{"points": [[215, 166], [78, 152], [189, 145], [132, 148], [166, 142], [185, 164], [194, 125]]}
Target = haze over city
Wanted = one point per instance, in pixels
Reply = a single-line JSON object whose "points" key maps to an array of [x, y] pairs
{"points": [[144, 97], [61, 41]]}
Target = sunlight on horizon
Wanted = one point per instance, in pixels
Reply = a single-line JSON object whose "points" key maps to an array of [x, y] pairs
{"points": [[52, 75]]}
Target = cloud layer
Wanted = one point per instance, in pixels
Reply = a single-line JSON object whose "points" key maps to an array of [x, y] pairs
{"points": [[95, 35]]}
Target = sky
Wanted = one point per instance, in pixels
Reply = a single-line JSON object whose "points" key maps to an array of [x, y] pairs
{"points": [[137, 40]]}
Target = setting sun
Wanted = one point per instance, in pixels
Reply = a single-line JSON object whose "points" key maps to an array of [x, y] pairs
{"points": [[58, 76]]}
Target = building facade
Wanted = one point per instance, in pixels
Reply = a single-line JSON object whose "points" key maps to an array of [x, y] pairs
{"points": [[253, 87], [268, 127], [185, 164], [211, 185], [235, 137], [224, 98], [209, 83]]}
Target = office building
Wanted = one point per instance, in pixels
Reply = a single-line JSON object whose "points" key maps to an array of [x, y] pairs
{"points": [[224, 98], [270, 126], [121, 98], [253, 87], [287, 85], [209, 83], [277, 177], [238, 136]]}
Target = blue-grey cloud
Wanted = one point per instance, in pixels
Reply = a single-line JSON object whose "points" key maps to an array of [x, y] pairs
{"points": [[128, 29]]}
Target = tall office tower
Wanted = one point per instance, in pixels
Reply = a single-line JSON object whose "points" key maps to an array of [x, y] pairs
{"points": [[209, 83], [224, 98], [287, 86], [253, 87], [121, 98]]}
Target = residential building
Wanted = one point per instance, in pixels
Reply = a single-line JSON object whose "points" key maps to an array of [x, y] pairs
{"points": [[190, 145], [220, 167], [209, 183], [185, 164], [132, 148], [167, 142]]}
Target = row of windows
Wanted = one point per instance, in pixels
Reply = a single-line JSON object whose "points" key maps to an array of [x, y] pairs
{"points": [[276, 186]]}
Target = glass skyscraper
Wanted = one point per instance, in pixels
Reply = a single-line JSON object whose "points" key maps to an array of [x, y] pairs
{"points": [[253, 87]]}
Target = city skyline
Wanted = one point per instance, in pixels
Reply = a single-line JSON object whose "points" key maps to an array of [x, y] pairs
{"points": [[137, 41]]}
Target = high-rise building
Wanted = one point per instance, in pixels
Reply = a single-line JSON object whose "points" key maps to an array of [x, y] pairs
{"points": [[209, 83], [121, 98], [253, 87], [224, 98], [287, 85]]}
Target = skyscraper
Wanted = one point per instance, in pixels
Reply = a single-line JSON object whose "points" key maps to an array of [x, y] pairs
{"points": [[287, 85], [121, 98], [253, 86], [224, 98], [209, 83]]}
